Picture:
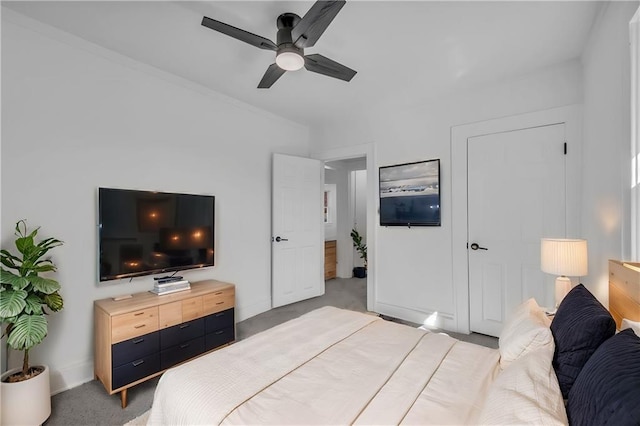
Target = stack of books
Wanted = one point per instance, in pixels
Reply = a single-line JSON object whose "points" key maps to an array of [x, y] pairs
{"points": [[166, 286]]}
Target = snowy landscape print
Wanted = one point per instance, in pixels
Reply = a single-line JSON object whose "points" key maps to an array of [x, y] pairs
{"points": [[410, 179], [410, 194]]}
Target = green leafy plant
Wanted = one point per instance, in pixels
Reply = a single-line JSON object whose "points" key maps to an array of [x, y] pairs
{"points": [[360, 247], [25, 296]]}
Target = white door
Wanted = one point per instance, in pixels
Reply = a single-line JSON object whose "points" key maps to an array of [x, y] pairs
{"points": [[297, 247], [516, 195]]}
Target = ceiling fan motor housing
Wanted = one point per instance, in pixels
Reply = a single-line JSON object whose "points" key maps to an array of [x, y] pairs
{"points": [[285, 24]]}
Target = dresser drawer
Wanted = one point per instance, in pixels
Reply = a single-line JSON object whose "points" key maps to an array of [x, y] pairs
{"points": [[135, 370], [134, 324], [192, 309], [182, 352], [170, 314], [181, 333], [219, 338], [219, 320], [135, 348], [218, 301]]}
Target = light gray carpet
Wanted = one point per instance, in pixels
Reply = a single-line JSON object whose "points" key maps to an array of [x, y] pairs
{"points": [[89, 404]]}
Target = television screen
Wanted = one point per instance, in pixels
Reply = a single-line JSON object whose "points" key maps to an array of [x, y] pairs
{"points": [[144, 232], [410, 194]]}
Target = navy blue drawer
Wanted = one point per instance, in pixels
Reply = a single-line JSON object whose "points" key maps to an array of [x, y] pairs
{"points": [[177, 354], [219, 321], [135, 370], [219, 338], [181, 333], [135, 348]]}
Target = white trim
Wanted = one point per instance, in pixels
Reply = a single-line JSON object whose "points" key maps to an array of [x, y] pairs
{"points": [[368, 151], [634, 36], [250, 310], [440, 320], [570, 116], [70, 376]]}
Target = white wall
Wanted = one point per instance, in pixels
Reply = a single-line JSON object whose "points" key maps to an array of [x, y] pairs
{"points": [[76, 117], [358, 182], [606, 154], [414, 266], [331, 191], [338, 177]]}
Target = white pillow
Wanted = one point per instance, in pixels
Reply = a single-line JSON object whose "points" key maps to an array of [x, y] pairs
{"points": [[526, 330], [526, 393], [634, 325]]}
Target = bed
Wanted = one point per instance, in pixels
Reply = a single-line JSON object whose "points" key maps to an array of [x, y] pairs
{"points": [[335, 366]]}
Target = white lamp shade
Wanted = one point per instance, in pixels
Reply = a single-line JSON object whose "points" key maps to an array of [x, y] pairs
{"points": [[561, 256]]}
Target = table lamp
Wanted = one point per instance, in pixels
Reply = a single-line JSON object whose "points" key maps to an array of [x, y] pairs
{"points": [[565, 258]]}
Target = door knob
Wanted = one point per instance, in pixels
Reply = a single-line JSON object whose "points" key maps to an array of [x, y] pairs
{"points": [[278, 239], [475, 246]]}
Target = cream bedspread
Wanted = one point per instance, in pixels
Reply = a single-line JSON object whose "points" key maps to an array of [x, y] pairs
{"points": [[331, 366]]}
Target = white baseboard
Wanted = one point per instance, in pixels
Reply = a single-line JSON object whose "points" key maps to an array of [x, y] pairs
{"points": [[246, 311], [70, 376], [431, 319]]}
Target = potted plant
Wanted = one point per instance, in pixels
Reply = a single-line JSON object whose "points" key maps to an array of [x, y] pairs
{"points": [[359, 271], [25, 299]]}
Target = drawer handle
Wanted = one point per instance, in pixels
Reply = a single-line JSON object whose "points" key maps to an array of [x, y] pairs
{"points": [[220, 303], [186, 345], [136, 341], [184, 326], [219, 332], [221, 314], [138, 314], [139, 326], [138, 362], [218, 293]]}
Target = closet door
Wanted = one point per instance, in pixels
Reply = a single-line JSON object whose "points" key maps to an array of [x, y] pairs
{"points": [[516, 196]]}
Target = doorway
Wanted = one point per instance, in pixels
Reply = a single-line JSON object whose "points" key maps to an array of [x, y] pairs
{"points": [[345, 210], [366, 153]]}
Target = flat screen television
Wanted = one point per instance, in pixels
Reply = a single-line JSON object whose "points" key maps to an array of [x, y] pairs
{"points": [[410, 194], [145, 232]]}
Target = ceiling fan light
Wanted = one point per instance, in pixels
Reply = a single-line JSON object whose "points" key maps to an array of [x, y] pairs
{"points": [[289, 61]]}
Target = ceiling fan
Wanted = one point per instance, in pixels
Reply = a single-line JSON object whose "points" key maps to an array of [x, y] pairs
{"points": [[294, 35]]}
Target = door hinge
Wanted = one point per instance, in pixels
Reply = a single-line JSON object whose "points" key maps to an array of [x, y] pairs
{"points": [[565, 148]]}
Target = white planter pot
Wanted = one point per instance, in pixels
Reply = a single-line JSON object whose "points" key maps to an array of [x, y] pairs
{"points": [[25, 403]]}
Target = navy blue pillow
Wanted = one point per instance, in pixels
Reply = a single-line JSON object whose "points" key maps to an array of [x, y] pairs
{"points": [[580, 325], [607, 391]]}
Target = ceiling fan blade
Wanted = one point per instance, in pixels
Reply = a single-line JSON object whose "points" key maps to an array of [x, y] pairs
{"points": [[307, 32], [237, 33], [273, 73], [323, 65]]}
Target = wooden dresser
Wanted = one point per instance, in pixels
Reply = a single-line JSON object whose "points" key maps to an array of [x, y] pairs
{"points": [[329, 260], [138, 338]]}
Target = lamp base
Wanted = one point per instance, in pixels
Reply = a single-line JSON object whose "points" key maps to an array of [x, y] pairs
{"points": [[563, 286]]}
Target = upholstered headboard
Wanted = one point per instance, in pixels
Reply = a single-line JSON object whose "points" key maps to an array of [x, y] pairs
{"points": [[624, 290]]}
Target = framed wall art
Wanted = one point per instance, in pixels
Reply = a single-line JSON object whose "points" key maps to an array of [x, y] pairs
{"points": [[410, 194]]}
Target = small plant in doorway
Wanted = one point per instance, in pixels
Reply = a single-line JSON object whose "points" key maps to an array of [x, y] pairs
{"points": [[361, 248]]}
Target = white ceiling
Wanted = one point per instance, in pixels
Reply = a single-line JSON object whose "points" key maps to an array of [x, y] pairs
{"points": [[405, 53]]}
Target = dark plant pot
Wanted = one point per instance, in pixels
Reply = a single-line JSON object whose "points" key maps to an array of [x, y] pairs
{"points": [[360, 272]]}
